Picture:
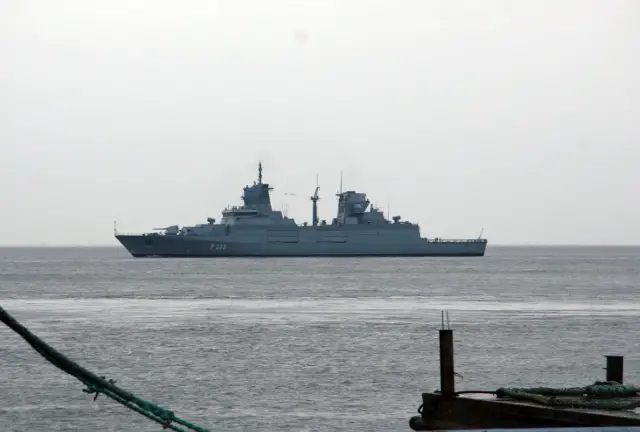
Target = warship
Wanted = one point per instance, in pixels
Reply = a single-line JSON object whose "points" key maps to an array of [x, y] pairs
{"points": [[255, 229]]}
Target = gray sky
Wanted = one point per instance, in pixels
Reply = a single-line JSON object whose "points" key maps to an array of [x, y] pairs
{"points": [[519, 117]]}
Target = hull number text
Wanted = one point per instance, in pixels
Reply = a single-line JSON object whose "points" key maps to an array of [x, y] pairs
{"points": [[218, 247]]}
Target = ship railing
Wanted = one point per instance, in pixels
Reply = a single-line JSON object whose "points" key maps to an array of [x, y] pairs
{"points": [[443, 240], [153, 234]]}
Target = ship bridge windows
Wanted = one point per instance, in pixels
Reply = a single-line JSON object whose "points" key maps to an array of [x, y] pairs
{"points": [[235, 212]]}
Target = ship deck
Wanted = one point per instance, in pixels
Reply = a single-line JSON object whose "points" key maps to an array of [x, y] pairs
{"points": [[473, 411]]}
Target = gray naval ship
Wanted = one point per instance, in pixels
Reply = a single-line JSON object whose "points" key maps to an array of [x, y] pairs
{"points": [[256, 230]]}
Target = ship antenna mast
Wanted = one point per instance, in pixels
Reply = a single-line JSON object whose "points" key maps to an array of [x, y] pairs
{"points": [[259, 172], [314, 199]]}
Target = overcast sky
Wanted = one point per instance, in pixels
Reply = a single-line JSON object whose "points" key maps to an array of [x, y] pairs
{"points": [[519, 117]]}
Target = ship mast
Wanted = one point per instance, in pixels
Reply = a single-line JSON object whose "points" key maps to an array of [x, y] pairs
{"points": [[340, 195], [259, 172], [314, 199]]}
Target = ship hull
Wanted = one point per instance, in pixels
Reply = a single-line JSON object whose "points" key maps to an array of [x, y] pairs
{"points": [[193, 247]]}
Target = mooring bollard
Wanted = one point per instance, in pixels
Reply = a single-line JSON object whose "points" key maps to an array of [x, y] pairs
{"points": [[447, 372], [615, 367]]}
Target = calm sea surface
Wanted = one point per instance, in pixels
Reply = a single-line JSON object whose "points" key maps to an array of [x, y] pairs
{"points": [[304, 344]]}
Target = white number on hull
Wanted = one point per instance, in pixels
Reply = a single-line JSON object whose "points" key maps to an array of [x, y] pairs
{"points": [[218, 247]]}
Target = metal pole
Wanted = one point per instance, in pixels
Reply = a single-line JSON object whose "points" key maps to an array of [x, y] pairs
{"points": [[447, 383], [615, 367]]}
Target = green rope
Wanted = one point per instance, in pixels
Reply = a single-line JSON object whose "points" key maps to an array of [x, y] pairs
{"points": [[99, 384], [600, 395]]}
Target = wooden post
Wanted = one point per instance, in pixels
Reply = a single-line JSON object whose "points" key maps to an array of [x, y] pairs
{"points": [[615, 368], [447, 383]]}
